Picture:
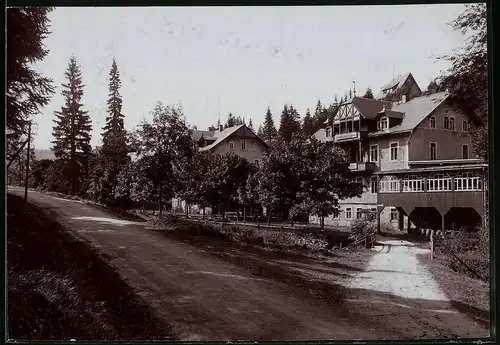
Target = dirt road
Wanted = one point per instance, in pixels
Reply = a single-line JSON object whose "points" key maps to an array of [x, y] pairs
{"points": [[202, 297], [205, 297]]}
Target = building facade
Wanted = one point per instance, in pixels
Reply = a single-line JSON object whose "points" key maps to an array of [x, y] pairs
{"points": [[239, 140], [413, 157]]}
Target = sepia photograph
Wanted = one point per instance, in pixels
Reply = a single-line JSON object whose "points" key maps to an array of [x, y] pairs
{"points": [[251, 173]]}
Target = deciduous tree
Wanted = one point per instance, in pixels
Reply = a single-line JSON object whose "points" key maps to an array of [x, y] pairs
{"points": [[467, 79], [162, 145]]}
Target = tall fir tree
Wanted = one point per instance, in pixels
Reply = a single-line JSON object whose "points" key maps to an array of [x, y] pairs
{"points": [[320, 116], [269, 131], [72, 129], [307, 125], [114, 138], [368, 93], [289, 124]]}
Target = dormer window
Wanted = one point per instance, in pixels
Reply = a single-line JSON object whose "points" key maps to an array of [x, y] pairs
{"points": [[383, 123], [328, 132]]}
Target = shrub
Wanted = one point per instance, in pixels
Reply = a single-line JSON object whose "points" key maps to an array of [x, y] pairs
{"points": [[363, 226]]}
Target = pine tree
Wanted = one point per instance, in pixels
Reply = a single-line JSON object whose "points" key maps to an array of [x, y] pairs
{"points": [[307, 125], [27, 91], [269, 131], [368, 93], [250, 124], [320, 116], [231, 121], [72, 129], [115, 146], [289, 123], [260, 133]]}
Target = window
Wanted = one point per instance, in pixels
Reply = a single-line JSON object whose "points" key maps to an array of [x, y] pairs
{"points": [[359, 213], [465, 126], [432, 122], [468, 181], [256, 162], [383, 123], [465, 151], [348, 213], [439, 183], [374, 153], [373, 185], [359, 180], [394, 151], [449, 123], [394, 214], [254, 145], [413, 183], [328, 132], [389, 184], [231, 145], [243, 145], [336, 214], [433, 151]]}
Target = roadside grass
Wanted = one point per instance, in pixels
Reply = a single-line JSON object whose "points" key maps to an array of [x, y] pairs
{"points": [[472, 294], [61, 288], [303, 239]]}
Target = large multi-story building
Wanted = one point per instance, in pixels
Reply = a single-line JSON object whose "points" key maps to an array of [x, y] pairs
{"points": [[412, 153]]}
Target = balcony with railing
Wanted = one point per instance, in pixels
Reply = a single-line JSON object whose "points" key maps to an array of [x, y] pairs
{"points": [[362, 166]]}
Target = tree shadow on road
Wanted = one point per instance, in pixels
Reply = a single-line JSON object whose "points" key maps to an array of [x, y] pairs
{"points": [[418, 318]]}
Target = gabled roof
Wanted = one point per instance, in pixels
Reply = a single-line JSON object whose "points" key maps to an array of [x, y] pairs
{"points": [[197, 134], [220, 136], [369, 108], [395, 83], [415, 111], [391, 113]]}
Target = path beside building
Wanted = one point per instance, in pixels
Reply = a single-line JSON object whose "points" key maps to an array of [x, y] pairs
{"points": [[398, 289]]}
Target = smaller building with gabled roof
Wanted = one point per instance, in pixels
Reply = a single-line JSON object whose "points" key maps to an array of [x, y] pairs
{"points": [[403, 84]]}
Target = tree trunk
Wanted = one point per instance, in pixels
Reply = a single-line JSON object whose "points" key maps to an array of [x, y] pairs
{"points": [[203, 213], [269, 217], [322, 222], [159, 201], [237, 214], [186, 211], [244, 213]]}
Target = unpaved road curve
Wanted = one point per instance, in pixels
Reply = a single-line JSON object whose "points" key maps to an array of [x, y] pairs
{"points": [[202, 297]]}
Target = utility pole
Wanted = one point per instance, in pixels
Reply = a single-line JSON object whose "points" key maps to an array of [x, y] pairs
{"points": [[27, 164]]}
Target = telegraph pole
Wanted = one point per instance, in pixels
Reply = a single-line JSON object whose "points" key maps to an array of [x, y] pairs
{"points": [[27, 164]]}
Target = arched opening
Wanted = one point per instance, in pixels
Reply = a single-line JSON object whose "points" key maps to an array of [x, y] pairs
{"points": [[465, 218], [426, 218]]}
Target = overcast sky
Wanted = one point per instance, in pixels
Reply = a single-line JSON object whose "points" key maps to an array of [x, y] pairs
{"points": [[240, 59]]}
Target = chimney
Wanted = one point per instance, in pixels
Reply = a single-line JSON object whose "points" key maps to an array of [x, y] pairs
{"points": [[404, 99], [220, 128]]}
